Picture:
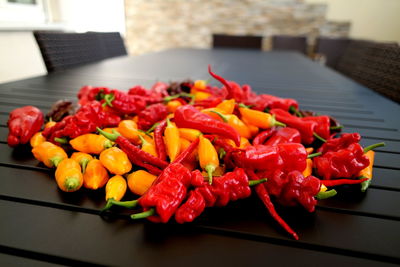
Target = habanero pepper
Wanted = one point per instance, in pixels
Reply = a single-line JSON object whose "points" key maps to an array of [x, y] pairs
{"points": [[323, 125], [68, 175], [150, 115], [95, 176], [22, 124], [115, 160], [123, 103], [189, 117], [50, 154], [116, 188], [82, 159], [335, 144], [284, 135], [264, 101], [263, 136], [90, 143]]}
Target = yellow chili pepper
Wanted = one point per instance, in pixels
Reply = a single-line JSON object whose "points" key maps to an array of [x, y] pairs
{"points": [[253, 129], [140, 181], [227, 106], [50, 154], [199, 84], [258, 118], [244, 142], [173, 105], [189, 134], [236, 123], [37, 139], [219, 171], [308, 170], [95, 176], [82, 159], [90, 143], [184, 144], [172, 143], [148, 146], [116, 188], [129, 130], [115, 160], [208, 157], [367, 172], [198, 96], [212, 112], [69, 176], [50, 124]]}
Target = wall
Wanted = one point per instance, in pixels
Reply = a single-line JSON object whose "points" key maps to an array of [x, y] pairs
{"points": [[370, 19], [154, 25]]}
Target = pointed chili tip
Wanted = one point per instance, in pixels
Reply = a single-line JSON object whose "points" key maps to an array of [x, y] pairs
{"points": [[143, 214], [295, 236], [371, 147]]}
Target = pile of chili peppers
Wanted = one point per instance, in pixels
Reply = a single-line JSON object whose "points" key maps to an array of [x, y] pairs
{"points": [[183, 147]]}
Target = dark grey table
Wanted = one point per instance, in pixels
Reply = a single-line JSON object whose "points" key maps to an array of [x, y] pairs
{"points": [[40, 225]]}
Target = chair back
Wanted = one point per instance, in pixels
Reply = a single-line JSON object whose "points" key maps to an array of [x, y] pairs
{"points": [[61, 50], [286, 42], [237, 41], [331, 48]]}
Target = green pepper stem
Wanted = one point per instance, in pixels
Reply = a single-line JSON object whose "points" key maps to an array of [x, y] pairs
{"points": [[222, 116], [310, 156], [336, 127], [172, 97], [143, 214], [152, 128], [221, 153], [210, 169], [108, 144], [71, 183], [319, 137], [84, 163], [243, 105], [326, 194], [127, 204], [256, 182], [144, 141], [56, 160], [108, 99], [368, 148], [365, 184], [296, 111], [274, 122], [111, 136], [62, 140]]}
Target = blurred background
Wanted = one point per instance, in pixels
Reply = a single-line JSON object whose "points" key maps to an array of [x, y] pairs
{"points": [[154, 25]]}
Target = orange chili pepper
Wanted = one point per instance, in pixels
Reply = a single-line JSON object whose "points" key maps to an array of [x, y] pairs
{"points": [[116, 188], [244, 142], [208, 157], [236, 123], [50, 154], [309, 150], [198, 84], [198, 96], [50, 124], [172, 143], [140, 181], [129, 130], [253, 129], [95, 176], [115, 160], [258, 118], [211, 112], [82, 159], [189, 134], [37, 139], [308, 170], [69, 176], [90, 143], [147, 146], [367, 172], [227, 106], [173, 105]]}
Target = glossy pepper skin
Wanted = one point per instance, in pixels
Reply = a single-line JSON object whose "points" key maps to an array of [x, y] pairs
{"points": [[284, 135], [124, 103], [229, 187], [82, 159], [167, 193], [264, 101], [88, 93], [90, 143], [159, 140], [150, 115], [172, 140], [343, 163], [140, 181], [116, 188], [306, 128], [50, 154], [115, 160], [323, 125], [86, 120], [22, 124], [69, 176], [37, 139], [189, 117], [335, 144]]}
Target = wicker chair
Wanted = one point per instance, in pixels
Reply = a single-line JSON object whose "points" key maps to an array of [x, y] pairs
{"points": [[237, 41], [285, 42], [331, 49], [62, 50]]}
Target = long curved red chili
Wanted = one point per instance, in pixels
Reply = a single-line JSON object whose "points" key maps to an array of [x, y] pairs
{"points": [[159, 141], [342, 181]]}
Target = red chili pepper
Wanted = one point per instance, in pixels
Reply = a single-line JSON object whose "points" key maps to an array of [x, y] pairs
{"points": [[124, 103], [135, 154], [343, 163], [150, 96], [187, 152], [88, 94], [159, 140], [264, 196], [284, 135], [86, 120], [264, 101], [306, 128], [335, 144], [263, 136], [189, 117], [323, 125], [151, 115], [234, 89], [164, 197], [210, 102], [230, 187], [342, 182], [294, 156], [22, 124]]}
